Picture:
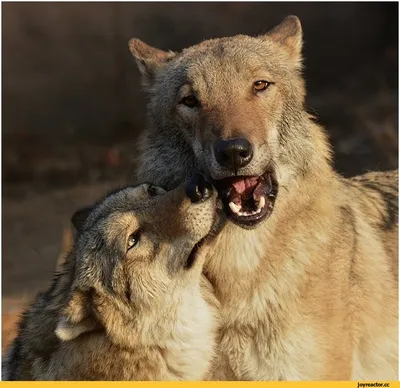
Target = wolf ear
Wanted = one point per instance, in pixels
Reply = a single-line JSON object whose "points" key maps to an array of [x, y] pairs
{"points": [[79, 218], [76, 319], [149, 59], [290, 35]]}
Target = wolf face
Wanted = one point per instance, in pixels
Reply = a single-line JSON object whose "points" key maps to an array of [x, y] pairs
{"points": [[136, 255], [237, 104]]}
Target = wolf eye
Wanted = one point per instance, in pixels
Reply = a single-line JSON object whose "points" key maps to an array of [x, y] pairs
{"points": [[259, 86], [190, 101], [133, 239]]}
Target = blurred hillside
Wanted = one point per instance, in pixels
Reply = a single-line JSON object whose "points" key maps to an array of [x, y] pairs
{"points": [[72, 105]]}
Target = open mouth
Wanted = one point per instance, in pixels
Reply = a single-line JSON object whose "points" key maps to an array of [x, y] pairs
{"points": [[248, 199]]}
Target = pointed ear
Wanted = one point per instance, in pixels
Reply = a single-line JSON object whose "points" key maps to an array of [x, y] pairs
{"points": [[76, 319], [80, 216], [149, 59], [290, 35], [67, 331]]}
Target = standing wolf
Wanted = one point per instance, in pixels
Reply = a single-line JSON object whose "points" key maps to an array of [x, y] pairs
{"points": [[306, 268]]}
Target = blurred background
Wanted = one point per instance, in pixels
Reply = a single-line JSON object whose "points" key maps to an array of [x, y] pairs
{"points": [[72, 105]]}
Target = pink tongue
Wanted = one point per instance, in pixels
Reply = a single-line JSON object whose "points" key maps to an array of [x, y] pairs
{"points": [[243, 185]]}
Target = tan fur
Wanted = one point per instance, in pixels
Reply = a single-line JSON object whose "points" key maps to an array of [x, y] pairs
{"points": [[118, 314], [311, 292]]}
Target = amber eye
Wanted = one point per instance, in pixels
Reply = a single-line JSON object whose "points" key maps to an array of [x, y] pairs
{"points": [[190, 101], [259, 86], [133, 239]]}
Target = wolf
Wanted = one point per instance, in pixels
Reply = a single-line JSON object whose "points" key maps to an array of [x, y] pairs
{"points": [[130, 302], [306, 267]]}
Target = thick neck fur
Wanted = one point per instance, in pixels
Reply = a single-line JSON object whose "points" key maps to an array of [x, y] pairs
{"points": [[256, 254], [180, 328], [153, 327]]}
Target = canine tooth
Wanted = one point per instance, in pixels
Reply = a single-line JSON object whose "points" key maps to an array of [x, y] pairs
{"points": [[261, 202], [235, 208]]}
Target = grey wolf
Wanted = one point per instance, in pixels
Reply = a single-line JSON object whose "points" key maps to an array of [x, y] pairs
{"points": [[306, 267], [130, 302]]}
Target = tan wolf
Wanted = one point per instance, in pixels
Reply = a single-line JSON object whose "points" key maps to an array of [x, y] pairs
{"points": [[306, 269], [130, 302]]}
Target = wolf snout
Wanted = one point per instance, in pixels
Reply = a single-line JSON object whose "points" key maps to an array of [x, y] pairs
{"points": [[233, 153], [198, 189]]}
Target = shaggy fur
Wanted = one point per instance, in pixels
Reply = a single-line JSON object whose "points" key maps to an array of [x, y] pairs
{"points": [[309, 293], [115, 313]]}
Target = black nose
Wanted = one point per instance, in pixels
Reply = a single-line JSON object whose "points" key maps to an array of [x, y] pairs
{"points": [[233, 153], [198, 189]]}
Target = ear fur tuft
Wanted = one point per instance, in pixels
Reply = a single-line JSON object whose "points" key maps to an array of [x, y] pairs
{"points": [[76, 318], [149, 59], [290, 35]]}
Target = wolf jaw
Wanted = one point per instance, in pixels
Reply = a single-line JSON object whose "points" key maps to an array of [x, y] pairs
{"points": [[248, 200]]}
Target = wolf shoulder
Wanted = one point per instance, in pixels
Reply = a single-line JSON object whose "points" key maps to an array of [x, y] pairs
{"points": [[375, 195], [369, 203]]}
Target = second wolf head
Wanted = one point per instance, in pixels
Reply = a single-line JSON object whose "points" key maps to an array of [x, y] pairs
{"points": [[130, 302]]}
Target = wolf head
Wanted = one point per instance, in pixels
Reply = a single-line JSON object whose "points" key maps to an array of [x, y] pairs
{"points": [[233, 109], [136, 254]]}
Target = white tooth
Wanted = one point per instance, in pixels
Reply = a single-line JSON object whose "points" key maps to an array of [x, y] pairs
{"points": [[261, 203], [247, 214], [235, 208]]}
